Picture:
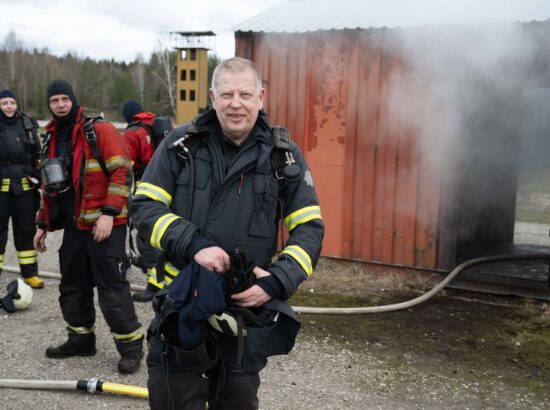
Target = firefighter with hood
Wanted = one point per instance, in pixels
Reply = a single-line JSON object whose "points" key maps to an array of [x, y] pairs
{"points": [[139, 139], [19, 198], [86, 177], [213, 191]]}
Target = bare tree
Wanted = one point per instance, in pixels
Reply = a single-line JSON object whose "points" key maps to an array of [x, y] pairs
{"points": [[167, 74], [138, 75], [11, 45], [18, 63]]}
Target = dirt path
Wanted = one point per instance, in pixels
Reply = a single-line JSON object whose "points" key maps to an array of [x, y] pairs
{"points": [[457, 351]]}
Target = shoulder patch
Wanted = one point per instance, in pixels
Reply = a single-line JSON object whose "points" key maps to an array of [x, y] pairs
{"points": [[308, 178]]}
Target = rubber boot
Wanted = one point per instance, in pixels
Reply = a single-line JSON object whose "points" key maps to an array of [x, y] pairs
{"points": [[146, 295], [76, 345], [34, 282], [130, 358]]}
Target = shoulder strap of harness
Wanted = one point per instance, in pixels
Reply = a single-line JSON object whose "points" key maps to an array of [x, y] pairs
{"points": [[139, 123], [187, 145], [284, 165], [91, 139], [30, 127]]}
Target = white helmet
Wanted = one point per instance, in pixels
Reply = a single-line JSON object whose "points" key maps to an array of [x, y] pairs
{"points": [[19, 296]]}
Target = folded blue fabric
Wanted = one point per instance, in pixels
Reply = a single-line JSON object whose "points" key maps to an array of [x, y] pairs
{"points": [[198, 293]]}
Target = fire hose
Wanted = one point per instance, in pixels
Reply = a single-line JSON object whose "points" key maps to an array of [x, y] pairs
{"points": [[370, 309], [92, 385]]}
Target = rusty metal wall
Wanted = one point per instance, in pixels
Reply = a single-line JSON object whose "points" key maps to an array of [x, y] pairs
{"points": [[338, 93]]}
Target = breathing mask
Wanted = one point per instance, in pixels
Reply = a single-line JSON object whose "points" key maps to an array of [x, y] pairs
{"points": [[55, 176]]}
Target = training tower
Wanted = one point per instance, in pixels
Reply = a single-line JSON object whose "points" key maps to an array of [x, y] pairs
{"points": [[192, 72]]}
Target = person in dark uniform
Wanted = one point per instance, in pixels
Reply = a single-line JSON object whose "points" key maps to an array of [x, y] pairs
{"points": [[201, 204], [90, 205], [19, 198]]}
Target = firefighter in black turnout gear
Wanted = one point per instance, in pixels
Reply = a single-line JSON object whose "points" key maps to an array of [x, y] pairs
{"points": [[19, 174], [215, 189]]}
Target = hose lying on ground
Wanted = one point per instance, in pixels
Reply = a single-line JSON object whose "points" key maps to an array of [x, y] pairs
{"points": [[370, 309], [92, 385], [54, 275]]}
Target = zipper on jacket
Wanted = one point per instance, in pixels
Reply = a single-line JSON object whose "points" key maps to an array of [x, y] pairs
{"points": [[240, 185]]}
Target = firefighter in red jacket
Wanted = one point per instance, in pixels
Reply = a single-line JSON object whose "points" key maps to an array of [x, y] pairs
{"points": [[85, 188], [141, 145]]}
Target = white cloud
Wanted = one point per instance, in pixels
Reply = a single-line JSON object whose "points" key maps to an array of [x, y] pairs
{"points": [[105, 29]]}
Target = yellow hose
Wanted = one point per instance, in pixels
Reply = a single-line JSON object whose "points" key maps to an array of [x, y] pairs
{"points": [[125, 389]]}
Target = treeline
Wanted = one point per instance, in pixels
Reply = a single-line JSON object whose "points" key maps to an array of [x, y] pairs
{"points": [[100, 86]]}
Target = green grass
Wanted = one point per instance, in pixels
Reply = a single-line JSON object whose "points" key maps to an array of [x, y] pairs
{"points": [[533, 200]]}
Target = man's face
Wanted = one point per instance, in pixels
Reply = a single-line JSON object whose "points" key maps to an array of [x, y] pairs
{"points": [[8, 106], [60, 105], [237, 103]]}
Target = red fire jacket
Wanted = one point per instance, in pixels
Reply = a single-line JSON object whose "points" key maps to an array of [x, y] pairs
{"points": [[138, 141], [97, 193]]}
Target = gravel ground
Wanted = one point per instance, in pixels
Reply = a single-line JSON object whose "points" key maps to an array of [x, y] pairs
{"points": [[328, 369]]}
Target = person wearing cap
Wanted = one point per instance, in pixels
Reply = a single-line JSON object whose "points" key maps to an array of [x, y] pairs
{"points": [[141, 147], [19, 198], [92, 211]]}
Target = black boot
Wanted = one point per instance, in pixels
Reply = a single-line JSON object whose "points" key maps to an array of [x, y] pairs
{"points": [[130, 361], [76, 345], [146, 295]]}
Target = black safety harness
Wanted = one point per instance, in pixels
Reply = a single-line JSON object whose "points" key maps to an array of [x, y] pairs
{"points": [[91, 139]]}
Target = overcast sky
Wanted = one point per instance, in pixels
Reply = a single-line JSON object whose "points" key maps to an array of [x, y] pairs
{"points": [[121, 29]]}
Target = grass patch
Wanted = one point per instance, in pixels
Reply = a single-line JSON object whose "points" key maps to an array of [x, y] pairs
{"points": [[533, 200]]}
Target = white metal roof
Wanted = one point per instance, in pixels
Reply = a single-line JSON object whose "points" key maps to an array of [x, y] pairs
{"points": [[313, 15]]}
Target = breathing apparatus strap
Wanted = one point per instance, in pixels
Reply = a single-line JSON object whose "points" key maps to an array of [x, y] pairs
{"points": [[29, 127], [281, 148], [91, 139]]}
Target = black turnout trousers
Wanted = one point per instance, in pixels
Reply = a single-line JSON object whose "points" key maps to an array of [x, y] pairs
{"points": [[22, 211], [86, 264], [171, 388]]}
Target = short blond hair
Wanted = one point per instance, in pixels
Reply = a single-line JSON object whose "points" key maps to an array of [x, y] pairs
{"points": [[236, 65]]}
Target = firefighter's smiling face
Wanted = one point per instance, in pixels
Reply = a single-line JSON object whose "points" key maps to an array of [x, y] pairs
{"points": [[60, 105], [8, 106], [237, 101]]}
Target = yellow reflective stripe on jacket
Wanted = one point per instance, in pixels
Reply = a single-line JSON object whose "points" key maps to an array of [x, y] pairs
{"points": [[153, 279], [160, 227], [27, 257], [300, 256], [154, 192], [92, 165], [5, 185], [302, 216], [128, 337], [170, 272], [117, 189], [81, 330], [27, 186], [117, 161], [91, 215]]}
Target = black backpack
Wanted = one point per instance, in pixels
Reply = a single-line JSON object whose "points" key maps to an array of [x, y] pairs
{"points": [[158, 130]]}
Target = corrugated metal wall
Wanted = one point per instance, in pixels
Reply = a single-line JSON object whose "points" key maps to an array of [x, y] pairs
{"points": [[338, 93]]}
